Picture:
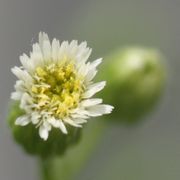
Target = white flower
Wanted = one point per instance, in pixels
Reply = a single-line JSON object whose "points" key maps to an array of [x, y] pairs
{"points": [[55, 86]]}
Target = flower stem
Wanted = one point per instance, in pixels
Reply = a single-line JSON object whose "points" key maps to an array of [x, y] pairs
{"points": [[68, 166], [46, 168]]}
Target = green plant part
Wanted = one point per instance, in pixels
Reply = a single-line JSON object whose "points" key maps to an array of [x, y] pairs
{"points": [[28, 137], [135, 80]]}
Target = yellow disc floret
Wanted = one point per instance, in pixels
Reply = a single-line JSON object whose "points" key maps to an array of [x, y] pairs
{"points": [[57, 89]]}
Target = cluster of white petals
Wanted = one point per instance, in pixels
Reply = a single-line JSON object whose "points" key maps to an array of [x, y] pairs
{"points": [[40, 109]]}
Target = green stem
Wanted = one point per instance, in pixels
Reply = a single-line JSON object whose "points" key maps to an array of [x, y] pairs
{"points": [[46, 168], [68, 166]]}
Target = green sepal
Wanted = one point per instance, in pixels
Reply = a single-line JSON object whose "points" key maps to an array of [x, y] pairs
{"points": [[28, 136]]}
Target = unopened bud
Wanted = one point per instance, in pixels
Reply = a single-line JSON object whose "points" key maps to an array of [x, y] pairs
{"points": [[135, 80]]}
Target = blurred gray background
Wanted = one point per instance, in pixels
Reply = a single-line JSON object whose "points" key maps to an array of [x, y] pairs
{"points": [[148, 151]]}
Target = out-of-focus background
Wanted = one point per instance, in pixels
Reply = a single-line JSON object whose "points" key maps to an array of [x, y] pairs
{"points": [[150, 150]]}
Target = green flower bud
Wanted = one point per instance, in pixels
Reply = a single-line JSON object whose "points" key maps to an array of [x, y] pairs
{"points": [[135, 80], [28, 136]]}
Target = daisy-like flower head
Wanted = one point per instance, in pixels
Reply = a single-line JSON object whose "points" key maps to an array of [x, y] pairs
{"points": [[55, 86]]}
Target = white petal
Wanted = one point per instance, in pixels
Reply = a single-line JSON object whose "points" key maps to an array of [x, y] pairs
{"points": [[26, 102], [47, 50], [62, 127], [83, 45], [55, 123], [71, 122], [78, 111], [22, 74], [26, 62], [86, 55], [16, 95], [37, 48], [37, 52], [82, 48], [93, 89], [63, 50], [82, 68], [43, 37], [91, 102], [22, 120], [35, 117], [99, 110], [64, 45], [90, 75], [20, 86], [55, 48], [92, 69], [95, 63], [47, 125], [43, 132], [83, 55], [73, 44], [73, 47], [83, 116], [80, 121], [36, 59]]}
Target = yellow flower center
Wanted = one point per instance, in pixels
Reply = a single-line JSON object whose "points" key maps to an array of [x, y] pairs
{"points": [[57, 89]]}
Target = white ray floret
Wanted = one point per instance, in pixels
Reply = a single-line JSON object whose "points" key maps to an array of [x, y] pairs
{"points": [[55, 87]]}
